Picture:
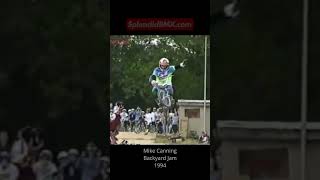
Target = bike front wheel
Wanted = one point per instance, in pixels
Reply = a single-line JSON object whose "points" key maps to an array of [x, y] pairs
{"points": [[167, 101]]}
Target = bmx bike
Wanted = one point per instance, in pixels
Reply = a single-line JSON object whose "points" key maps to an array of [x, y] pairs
{"points": [[164, 97]]}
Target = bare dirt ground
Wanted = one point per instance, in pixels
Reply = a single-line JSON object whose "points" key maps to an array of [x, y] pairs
{"points": [[134, 138], [149, 138]]}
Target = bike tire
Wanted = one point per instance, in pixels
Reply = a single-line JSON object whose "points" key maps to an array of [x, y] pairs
{"points": [[167, 101]]}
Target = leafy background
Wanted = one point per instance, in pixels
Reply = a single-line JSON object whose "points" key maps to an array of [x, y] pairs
{"points": [[133, 62]]}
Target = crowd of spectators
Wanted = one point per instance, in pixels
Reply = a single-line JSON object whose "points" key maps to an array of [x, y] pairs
{"points": [[151, 117], [26, 157]]}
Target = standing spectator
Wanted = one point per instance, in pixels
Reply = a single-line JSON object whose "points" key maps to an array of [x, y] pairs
{"points": [[148, 118], [119, 105], [89, 165], [19, 148], [163, 122], [132, 117], [153, 117], [44, 169], [35, 143], [175, 122], [115, 123], [138, 116], [169, 122], [67, 165], [72, 172], [122, 114], [204, 138], [8, 171], [104, 169], [4, 141], [63, 163], [125, 119], [143, 120]]}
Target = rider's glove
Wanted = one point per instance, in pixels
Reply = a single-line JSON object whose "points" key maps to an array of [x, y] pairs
{"points": [[230, 10], [153, 82], [182, 64]]}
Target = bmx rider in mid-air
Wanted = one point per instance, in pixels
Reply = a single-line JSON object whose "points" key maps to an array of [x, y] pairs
{"points": [[162, 76]]}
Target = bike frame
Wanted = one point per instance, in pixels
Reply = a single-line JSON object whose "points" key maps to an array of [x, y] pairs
{"points": [[163, 89]]}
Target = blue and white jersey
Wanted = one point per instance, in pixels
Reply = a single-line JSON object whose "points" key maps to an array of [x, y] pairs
{"points": [[164, 77]]}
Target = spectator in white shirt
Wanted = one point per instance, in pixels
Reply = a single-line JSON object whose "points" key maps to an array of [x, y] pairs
{"points": [[148, 117], [19, 148], [124, 119], [44, 169]]}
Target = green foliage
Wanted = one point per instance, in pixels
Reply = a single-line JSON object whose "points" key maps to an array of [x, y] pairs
{"points": [[257, 60], [56, 73], [133, 63]]}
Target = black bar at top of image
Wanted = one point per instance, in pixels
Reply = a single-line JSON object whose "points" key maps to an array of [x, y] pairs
{"points": [[128, 162], [121, 11]]}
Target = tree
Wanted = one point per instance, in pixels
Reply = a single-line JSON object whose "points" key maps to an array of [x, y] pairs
{"points": [[54, 67], [133, 62]]}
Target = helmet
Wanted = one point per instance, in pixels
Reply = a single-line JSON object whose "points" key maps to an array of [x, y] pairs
{"points": [[163, 63]]}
